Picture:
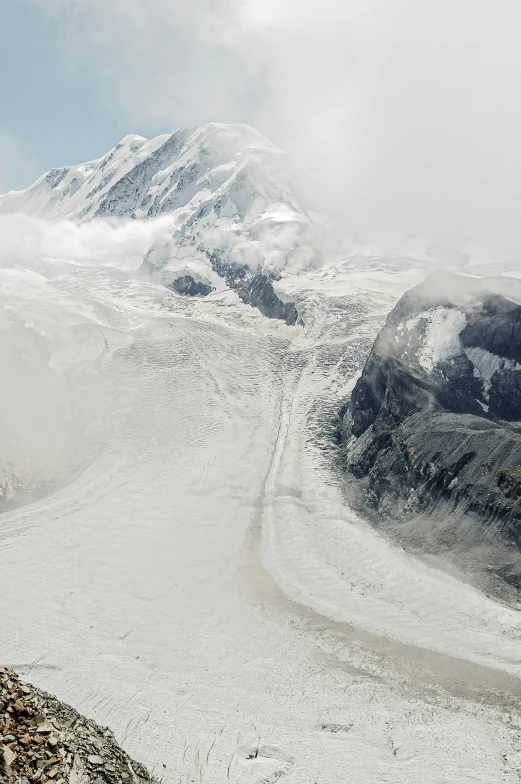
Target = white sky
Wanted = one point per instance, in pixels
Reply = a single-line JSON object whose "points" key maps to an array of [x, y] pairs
{"points": [[402, 115]]}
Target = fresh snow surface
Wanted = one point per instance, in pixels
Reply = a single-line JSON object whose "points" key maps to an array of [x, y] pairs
{"points": [[187, 570], [441, 328]]}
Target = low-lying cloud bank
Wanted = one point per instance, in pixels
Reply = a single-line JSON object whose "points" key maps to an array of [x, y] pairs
{"points": [[120, 243]]}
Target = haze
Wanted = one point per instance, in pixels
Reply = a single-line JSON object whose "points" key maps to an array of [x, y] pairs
{"points": [[402, 118]]}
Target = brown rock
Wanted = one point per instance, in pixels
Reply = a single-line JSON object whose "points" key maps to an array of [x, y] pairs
{"points": [[38, 739], [9, 757], [26, 740]]}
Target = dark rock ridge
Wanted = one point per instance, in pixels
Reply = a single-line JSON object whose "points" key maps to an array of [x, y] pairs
{"points": [[434, 422], [255, 287], [187, 286]]}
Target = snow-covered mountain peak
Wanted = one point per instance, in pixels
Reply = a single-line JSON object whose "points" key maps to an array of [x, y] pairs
{"points": [[226, 191], [144, 178], [132, 138]]}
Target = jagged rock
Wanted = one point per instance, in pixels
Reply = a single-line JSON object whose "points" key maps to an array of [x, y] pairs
{"points": [[187, 286], [434, 422], [42, 739], [255, 287]]}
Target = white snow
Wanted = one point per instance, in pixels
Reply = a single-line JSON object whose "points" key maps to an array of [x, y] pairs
{"points": [[440, 339], [195, 580], [222, 186], [486, 364], [189, 572]]}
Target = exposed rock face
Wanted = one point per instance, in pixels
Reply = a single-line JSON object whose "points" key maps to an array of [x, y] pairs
{"points": [[435, 418], [44, 740], [255, 287], [188, 287], [193, 269]]}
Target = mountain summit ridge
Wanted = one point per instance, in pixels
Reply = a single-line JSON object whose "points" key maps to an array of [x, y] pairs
{"points": [[234, 220], [160, 174]]}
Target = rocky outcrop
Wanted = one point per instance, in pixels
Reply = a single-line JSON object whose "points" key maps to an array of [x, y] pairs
{"points": [[194, 270], [187, 286], [44, 740], [255, 287], [434, 423]]}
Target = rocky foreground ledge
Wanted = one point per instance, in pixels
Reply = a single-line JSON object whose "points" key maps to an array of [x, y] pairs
{"points": [[44, 740]]}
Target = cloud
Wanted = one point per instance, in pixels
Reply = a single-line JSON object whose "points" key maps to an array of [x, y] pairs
{"points": [[120, 243], [169, 60], [402, 117]]}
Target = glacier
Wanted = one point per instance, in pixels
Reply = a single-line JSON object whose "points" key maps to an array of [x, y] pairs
{"points": [[178, 557]]}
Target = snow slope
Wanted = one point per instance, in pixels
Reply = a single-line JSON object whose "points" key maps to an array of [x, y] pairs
{"points": [[232, 166], [194, 579], [222, 187], [178, 560]]}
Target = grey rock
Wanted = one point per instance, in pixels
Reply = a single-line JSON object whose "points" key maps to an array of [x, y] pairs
{"points": [[434, 423], [255, 287], [187, 286]]}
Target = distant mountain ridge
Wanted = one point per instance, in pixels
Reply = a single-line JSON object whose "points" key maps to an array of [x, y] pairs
{"points": [[144, 178], [226, 189]]}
